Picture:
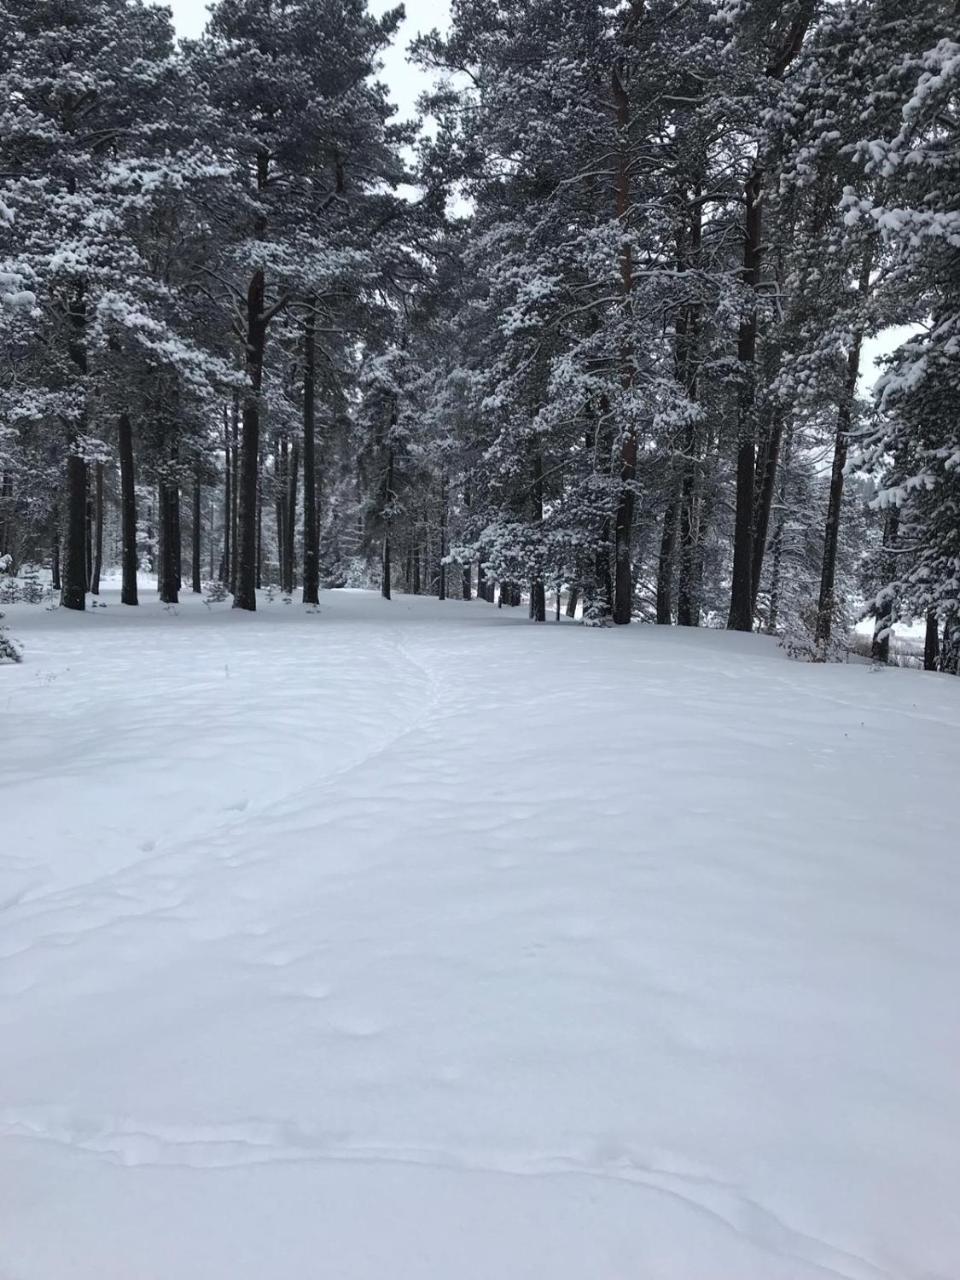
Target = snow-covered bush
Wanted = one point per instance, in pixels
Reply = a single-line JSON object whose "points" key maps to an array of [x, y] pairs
{"points": [[215, 592], [9, 652]]}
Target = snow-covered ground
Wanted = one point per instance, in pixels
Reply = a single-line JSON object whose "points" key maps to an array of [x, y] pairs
{"points": [[411, 941]]}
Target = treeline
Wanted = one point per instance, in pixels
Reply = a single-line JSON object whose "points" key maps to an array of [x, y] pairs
{"points": [[598, 331]]}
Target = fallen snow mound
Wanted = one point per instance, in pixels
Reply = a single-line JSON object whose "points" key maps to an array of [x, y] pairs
{"points": [[411, 941]]}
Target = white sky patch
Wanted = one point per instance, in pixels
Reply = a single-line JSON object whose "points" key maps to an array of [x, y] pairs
{"points": [[406, 81], [876, 348]]}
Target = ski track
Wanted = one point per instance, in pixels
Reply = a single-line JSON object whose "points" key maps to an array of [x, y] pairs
{"points": [[389, 760]]}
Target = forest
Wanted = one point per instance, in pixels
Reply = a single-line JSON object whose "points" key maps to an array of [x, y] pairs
{"points": [[590, 327]]}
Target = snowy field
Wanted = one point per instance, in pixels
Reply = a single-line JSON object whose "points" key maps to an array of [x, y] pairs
{"points": [[413, 942]]}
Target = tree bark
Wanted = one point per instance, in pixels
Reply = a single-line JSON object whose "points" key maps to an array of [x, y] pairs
{"points": [[776, 543], [226, 574], [880, 648], [128, 513], [74, 590], [442, 579], [311, 553], [234, 490], [97, 531], [741, 595], [169, 542], [668, 542], [831, 536], [623, 521], [196, 573], [55, 549], [73, 593], [290, 514], [245, 596], [573, 597], [931, 643]]}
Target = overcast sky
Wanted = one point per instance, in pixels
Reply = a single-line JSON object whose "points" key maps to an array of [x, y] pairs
{"points": [[404, 80]]}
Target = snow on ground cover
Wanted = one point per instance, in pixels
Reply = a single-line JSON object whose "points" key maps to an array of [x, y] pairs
{"points": [[410, 941]]}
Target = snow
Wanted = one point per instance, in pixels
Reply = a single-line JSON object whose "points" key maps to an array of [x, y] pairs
{"points": [[410, 941]]}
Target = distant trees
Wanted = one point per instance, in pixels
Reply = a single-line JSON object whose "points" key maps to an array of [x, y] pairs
{"points": [[597, 333]]}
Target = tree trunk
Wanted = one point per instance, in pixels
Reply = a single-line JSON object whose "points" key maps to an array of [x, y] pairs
{"points": [[765, 483], [481, 579], [880, 648], [668, 543], [290, 513], [196, 573], [741, 595], [169, 542], [73, 593], [55, 549], [776, 542], [128, 513], [623, 522], [416, 572], [260, 461], [573, 597], [226, 572], [442, 582], [246, 592], [235, 491], [97, 531], [88, 551], [466, 587], [831, 537], [385, 567], [931, 643], [311, 553]]}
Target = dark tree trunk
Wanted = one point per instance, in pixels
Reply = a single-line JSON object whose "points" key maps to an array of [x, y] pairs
{"points": [[741, 595], [385, 567], [466, 588], [169, 542], [128, 513], [245, 596], [831, 537], [260, 519], [311, 555], [281, 452], [538, 595], [623, 522], [481, 579], [226, 573], [73, 593], [55, 549], [177, 538], [416, 572], [97, 531], [573, 598], [931, 643], [196, 573], [442, 580], [88, 551], [290, 515], [235, 492], [538, 601], [668, 544], [688, 371], [883, 622]]}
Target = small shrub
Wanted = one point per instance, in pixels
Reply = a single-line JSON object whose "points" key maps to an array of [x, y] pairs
{"points": [[9, 651]]}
